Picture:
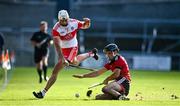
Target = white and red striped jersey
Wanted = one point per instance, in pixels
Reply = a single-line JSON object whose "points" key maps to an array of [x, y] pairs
{"points": [[68, 33]]}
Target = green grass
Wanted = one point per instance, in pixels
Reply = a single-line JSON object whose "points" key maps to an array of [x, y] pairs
{"points": [[1, 77], [148, 84]]}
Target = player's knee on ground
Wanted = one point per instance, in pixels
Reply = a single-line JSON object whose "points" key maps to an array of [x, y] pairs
{"points": [[103, 97]]}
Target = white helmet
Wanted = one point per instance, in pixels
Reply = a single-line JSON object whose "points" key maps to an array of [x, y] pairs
{"points": [[63, 14]]}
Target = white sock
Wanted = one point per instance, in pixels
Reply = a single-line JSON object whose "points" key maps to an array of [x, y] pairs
{"points": [[43, 92]]}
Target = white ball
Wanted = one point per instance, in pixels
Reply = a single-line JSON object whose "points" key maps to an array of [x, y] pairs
{"points": [[77, 95]]}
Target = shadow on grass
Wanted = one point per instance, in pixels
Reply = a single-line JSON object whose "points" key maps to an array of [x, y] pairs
{"points": [[35, 99]]}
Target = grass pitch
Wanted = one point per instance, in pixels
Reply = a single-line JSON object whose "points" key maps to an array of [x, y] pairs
{"points": [[148, 88]]}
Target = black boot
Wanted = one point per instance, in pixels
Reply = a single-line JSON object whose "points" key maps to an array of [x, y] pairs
{"points": [[94, 51], [38, 95]]}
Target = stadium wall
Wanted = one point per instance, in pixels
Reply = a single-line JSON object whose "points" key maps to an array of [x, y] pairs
{"points": [[130, 24], [18, 21]]}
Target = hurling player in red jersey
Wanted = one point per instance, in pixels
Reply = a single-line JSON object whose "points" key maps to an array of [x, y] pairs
{"points": [[65, 41], [120, 78]]}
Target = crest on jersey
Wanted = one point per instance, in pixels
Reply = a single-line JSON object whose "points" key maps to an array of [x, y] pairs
{"points": [[72, 28]]}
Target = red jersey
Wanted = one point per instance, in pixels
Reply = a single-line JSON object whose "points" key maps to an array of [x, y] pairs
{"points": [[120, 63], [67, 34]]}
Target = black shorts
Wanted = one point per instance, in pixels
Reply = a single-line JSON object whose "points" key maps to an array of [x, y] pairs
{"points": [[39, 54], [125, 85]]}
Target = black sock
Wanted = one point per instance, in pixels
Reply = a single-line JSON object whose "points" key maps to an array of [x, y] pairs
{"points": [[40, 74], [45, 71]]}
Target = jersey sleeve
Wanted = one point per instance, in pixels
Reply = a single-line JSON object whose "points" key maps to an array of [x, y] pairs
{"points": [[55, 33], [80, 24], [107, 66], [123, 62]]}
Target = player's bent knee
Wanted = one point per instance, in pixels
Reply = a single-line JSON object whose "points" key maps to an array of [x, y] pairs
{"points": [[103, 97], [105, 89]]}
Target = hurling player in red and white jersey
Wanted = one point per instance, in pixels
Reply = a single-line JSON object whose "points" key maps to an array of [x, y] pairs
{"points": [[118, 89], [65, 41]]}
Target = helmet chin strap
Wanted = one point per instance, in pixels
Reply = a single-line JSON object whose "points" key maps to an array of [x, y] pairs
{"points": [[113, 59]]}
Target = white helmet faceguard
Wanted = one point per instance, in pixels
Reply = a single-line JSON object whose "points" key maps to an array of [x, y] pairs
{"points": [[63, 14]]}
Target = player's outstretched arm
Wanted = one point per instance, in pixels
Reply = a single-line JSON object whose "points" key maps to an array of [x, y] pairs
{"points": [[113, 76], [92, 74]]}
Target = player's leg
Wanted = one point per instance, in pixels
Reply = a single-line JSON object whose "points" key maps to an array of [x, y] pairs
{"points": [[118, 91], [92, 53], [104, 97], [126, 87], [45, 65], [58, 67], [39, 64], [113, 89], [71, 55], [39, 70], [81, 57]]}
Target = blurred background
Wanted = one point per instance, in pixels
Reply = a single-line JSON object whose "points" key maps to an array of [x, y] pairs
{"points": [[146, 31]]}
